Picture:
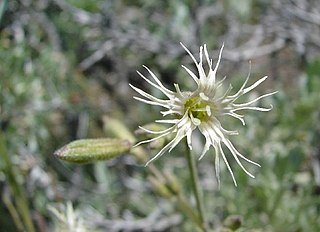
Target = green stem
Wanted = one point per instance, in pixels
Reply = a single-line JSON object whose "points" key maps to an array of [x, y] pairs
{"points": [[196, 188], [15, 187], [181, 201], [186, 208], [13, 212]]}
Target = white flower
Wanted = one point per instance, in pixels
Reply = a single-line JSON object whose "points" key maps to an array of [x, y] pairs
{"points": [[202, 109]]}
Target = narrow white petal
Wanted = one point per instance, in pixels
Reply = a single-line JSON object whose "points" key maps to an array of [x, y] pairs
{"points": [[215, 138], [207, 144], [234, 154], [217, 164], [176, 86], [149, 96], [217, 130], [160, 153], [155, 132], [254, 100], [219, 83], [202, 75], [194, 77], [184, 121], [205, 149], [213, 75], [240, 91], [164, 91], [157, 80], [181, 133], [223, 97], [153, 139], [237, 116], [168, 112], [151, 102], [254, 85], [227, 164], [241, 156], [169, 121], [188, 134], [169, 146], [190, 54], [216, 122], [200, 55], [253, 108], [219, 59], [209, 61]]}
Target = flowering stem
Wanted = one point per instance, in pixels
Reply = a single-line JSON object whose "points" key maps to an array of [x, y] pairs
{"points": [[196, 188]]}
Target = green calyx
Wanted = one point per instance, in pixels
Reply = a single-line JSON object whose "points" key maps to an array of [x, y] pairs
{"points": [[196, 108], [84, 151]]}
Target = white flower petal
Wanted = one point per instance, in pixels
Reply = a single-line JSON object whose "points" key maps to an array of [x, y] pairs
{"points": [[153, 139], [254, 100], [237, 116], [252, 108], [226, 162], [194, 77], [254, 85], [169, 121], [149, 96], [234, 154], [158, 81], [217, 164], [163, 90], [212, 76], [151, 102], [155, 132]]}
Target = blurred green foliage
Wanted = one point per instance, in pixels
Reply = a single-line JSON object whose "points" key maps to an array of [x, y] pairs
{"points": [[66, 64]]}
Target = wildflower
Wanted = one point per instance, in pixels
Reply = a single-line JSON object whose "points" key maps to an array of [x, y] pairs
{"points": [[202, 109]]}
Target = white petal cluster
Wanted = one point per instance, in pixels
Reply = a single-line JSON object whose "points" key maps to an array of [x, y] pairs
{"points": [[201, 109]]}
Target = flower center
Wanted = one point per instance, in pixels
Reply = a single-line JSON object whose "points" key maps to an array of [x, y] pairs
{"points": [[198, 109]]}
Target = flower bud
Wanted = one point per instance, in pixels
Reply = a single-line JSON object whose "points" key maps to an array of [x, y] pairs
{"points": [[89, 150]]}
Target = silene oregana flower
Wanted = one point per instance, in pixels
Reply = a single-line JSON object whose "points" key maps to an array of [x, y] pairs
{"points": [[203, 109]]}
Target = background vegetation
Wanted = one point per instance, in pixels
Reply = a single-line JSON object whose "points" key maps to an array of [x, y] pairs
{"points": [[64, 74]]}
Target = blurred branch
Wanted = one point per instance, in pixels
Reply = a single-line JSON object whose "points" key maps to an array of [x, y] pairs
{"points": [[81, 16], [97, 55], [154, 222], [305, 16], [50, 29], [254, 52]]}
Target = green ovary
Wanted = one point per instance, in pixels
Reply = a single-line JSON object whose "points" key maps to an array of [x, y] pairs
{"points": [[197, 108]]}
